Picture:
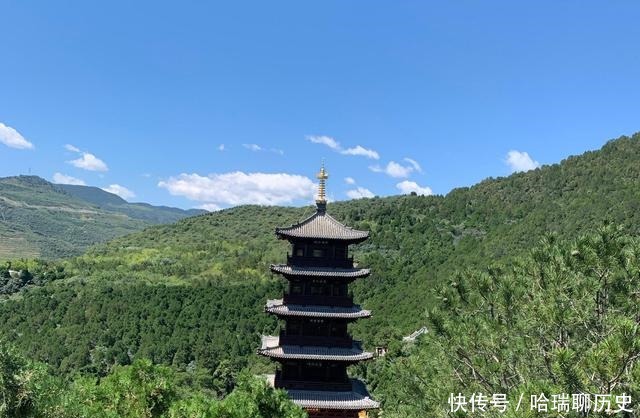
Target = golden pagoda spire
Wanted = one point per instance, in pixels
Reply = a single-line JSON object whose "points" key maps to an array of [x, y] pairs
{"points": [[321, 199]]}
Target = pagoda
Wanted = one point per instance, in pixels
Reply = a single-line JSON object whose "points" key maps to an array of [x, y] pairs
{"points": [[313, 348]]}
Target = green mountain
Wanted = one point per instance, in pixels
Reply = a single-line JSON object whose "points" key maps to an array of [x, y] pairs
{"points": [[192, 292], [41, 219]]}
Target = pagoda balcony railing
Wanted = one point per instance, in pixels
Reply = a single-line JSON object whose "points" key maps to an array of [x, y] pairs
{"points": [[294, 260], [320, 341], [322, 300], [338, 386]]}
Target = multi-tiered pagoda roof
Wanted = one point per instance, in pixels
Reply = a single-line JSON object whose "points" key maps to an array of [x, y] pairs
{"points": [[321, 225], [314, 347]]}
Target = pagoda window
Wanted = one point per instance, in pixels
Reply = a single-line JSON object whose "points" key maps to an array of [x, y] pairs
{"points": [[317, 327], [335, 290], [336, 372], [293, 328], [338, 330], [319, 252], [299, 252], [290, 370], [340, 253], [339, 290], [318, 289], [314, 370], [296, 288]]}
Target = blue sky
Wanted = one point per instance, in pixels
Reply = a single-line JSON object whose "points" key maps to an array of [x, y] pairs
{"points": [[153, 89]]}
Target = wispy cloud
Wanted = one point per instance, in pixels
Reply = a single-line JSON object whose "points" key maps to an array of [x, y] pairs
{"points": [[60, 178], [520, 161], [252, 147], [359, 150], [221, 147], [71, 148], [238, 188], [12, 138], [257, 148], [414, 164], [325, 140], [121, 191], [335, 145], [349, 180], [359, 193], [407, 187]]}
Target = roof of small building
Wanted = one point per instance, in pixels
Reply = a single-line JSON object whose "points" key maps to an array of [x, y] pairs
{"points": [[276, 307], [288, 270], [321, 225], [356, 399], [271, 348]]}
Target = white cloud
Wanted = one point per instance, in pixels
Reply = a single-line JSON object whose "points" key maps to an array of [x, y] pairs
{"points": [[335, 145], [393, 169], [252, 147], [89, 162], [326, 140], [349, 180], [221, 147], [414, 164], [12, 138], [121, 191], [358, 150], [359, 193], [60, 178], [238, 188], [277, 151], [406, 187], [210, 207], [520, 161]]}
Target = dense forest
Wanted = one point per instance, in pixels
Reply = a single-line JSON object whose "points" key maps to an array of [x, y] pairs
{"points": [[561, 320], [527, 284], [140, 390]]}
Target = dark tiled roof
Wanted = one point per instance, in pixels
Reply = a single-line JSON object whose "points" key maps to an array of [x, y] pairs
{"points": [[321, 225], [319, 271], [271, 348], [276, 307], [357, 399]]}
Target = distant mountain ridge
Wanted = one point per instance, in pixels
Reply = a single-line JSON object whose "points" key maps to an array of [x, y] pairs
{"points": [[42, 219]]}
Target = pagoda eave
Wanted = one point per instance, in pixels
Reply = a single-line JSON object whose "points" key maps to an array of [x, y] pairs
{"points": [[322, 226], [338, 273], [277, 307], [357, 399], [271, 348], [290, 237]]}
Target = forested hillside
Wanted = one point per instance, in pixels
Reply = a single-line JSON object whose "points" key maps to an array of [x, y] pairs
{"points": [[191, 294], [563, 319], [41, 219]]}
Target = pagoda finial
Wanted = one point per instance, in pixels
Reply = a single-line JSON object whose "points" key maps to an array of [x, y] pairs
{"points": [[321, 199]]}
